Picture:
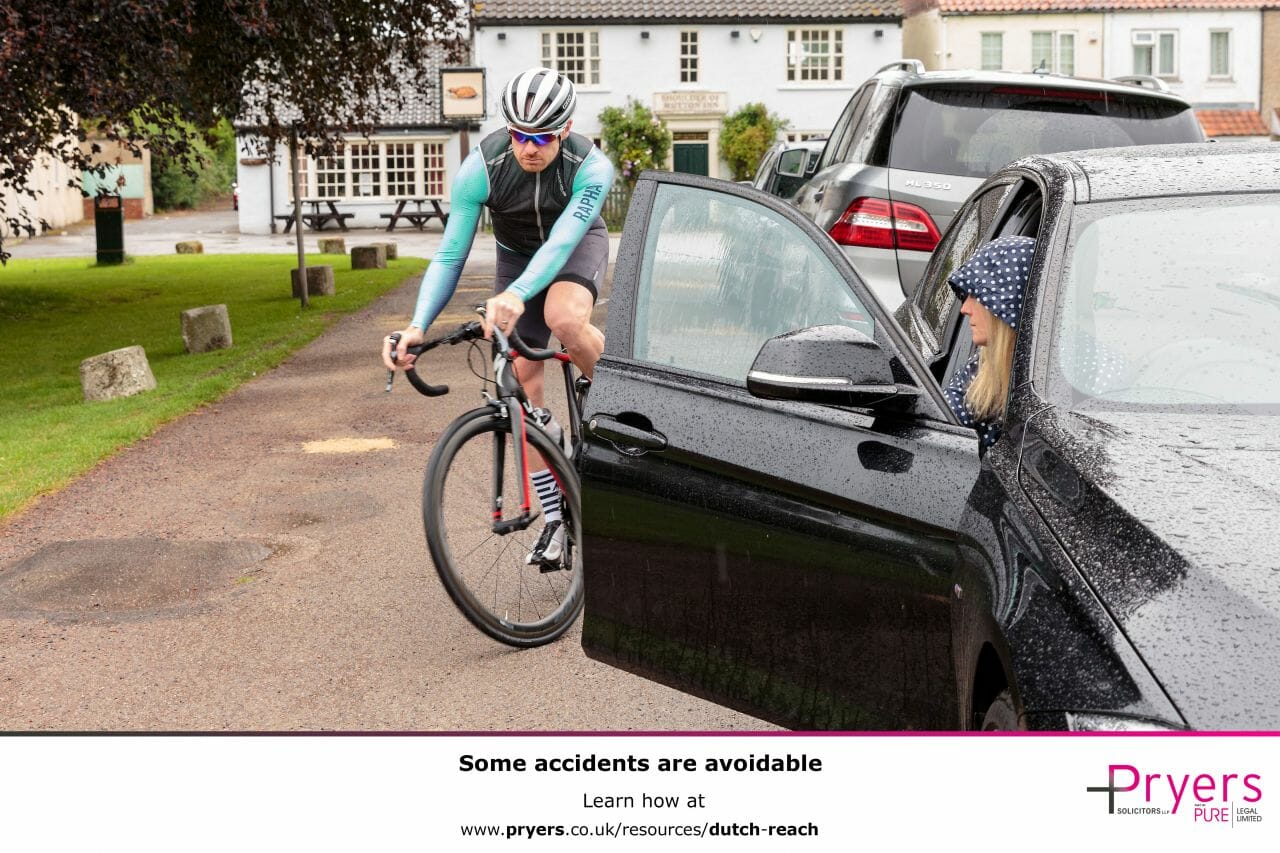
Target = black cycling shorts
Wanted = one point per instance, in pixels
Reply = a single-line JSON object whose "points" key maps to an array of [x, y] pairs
{"points": [[586, 266]]}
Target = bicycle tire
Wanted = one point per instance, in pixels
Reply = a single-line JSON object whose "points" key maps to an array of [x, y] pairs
{"points": [[457, 519]]}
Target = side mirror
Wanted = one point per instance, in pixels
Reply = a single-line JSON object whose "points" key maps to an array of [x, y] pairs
{"points": [[835, 365], [792, 163]]}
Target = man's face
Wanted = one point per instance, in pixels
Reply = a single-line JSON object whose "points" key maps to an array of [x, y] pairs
{"points": [[533, 157]]}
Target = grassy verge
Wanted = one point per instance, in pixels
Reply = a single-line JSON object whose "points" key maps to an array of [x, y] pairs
{"points": [[54, 313]]}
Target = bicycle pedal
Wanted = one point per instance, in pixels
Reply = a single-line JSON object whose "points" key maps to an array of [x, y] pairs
{"points": [[547, 566]]}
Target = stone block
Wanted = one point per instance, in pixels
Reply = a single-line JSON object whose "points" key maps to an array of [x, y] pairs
{"points": [[206, 328], [372, 257], [333, 246], [319, 281], [390, 249], [119, 373], [190, 247]]}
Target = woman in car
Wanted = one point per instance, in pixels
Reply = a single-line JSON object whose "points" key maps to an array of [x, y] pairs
{"points": [[991, 283]]}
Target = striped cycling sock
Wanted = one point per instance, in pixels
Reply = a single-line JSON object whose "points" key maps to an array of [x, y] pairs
{"points": [[544, 482]]}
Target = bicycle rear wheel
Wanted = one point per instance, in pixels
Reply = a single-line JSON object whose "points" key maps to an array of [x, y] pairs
{"points": [[485, 572]]}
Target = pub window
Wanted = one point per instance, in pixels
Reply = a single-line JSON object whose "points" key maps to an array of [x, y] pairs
{"points": [[689, 56], [366, 171], [815, 55], [574, 53]]}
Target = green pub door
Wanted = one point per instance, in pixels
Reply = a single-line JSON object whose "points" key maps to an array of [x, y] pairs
{"points": [[689, 153]]}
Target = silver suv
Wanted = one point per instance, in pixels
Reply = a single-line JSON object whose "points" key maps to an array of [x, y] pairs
{"points": [[911, 145]]}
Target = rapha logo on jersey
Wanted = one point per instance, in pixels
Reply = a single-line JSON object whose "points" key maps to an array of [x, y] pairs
{"points": [[1217, 798], [586, 205], [927, 185]]}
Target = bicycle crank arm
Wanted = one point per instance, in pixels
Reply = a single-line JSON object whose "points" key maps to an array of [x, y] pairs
{"points": [[502, 528]]}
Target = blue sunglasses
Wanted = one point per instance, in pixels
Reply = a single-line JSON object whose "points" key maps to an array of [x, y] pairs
{"points": [[538, 139]]}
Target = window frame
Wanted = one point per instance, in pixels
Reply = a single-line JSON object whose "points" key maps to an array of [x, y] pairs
{"points": [[592, 63], [1056, 38], [1228, 74], [832, 70], [982, 50], [429, 170], [690, 39], [1157, 53]]}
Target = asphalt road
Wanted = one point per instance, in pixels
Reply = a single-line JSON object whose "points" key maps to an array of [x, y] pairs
{"points": [[219, 576]]}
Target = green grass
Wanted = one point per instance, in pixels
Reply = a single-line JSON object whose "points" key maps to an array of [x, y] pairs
{"points": [[55, 313]]}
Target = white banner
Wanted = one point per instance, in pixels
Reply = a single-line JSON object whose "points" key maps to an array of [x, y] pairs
{"points": [[524, 792]]}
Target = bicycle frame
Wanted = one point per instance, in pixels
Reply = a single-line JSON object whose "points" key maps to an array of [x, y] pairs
{"points": [[514, 404]]}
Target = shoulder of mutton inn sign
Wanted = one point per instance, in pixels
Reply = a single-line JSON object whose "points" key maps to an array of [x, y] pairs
{"points": [[690, 103]]}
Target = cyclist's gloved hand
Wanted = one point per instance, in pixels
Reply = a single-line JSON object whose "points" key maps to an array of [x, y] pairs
{"points": [[409, 337], [502, 311]]}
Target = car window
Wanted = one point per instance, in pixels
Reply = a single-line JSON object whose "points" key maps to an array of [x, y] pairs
{"points": [[721, 275], [936, 301], [864, 147], [1148, 320], [968, 132], [842, 133]]}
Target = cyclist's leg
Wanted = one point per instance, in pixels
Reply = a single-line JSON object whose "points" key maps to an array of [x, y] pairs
{"points": [[573, 294]]}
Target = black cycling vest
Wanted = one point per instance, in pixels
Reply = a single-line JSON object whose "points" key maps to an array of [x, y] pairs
{"points": [[526, 204]]}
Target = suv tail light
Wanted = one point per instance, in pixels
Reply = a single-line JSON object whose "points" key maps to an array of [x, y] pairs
{"points": [[876, 223]]}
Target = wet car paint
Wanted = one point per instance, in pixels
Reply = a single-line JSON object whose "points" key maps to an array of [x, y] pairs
{"points": [[1076, 565]]}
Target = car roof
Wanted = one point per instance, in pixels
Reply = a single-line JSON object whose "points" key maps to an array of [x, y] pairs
{"points": [[910, 79], [1192, 168]]}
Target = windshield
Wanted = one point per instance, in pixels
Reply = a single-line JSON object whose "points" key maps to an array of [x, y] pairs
{"points": [[972, 133], [1171, 304]]}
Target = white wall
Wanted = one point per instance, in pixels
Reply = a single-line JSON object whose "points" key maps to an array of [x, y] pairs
{"points": [[1193, 28], [255, 182], [57, 203], [963, 39], [748, 69]]}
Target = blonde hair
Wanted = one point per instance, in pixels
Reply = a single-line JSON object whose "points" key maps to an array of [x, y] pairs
{"points": [[988, 393]]}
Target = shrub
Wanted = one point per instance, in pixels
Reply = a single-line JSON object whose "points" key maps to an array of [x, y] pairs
{"points": [[745, 136], [207, 170], [635, 139]]}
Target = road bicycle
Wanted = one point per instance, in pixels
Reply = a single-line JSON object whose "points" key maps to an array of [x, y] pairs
{"points": [[477, 540]]}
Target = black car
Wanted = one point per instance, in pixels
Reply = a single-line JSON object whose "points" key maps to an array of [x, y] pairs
{"points": [[770, 180], [782, 514]]}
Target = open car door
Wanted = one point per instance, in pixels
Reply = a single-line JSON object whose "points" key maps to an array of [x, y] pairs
{"points": [[789, 559]]}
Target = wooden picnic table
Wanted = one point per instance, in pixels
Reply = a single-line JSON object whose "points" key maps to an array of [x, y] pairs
{"points": [[317, 219], [420, 216]]}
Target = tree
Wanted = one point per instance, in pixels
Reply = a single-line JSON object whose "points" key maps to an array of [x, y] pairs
{"points": [[635, 139], [148, 70], [745, 136]]}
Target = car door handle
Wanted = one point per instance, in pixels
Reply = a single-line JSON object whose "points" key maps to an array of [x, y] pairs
{"points": [[618, 432], [819, 194]]}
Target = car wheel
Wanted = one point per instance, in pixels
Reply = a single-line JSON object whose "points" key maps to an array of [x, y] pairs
{"points": [[1001, 715]]}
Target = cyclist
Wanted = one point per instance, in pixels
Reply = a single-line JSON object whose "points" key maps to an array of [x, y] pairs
{"points": [[544, 187]]}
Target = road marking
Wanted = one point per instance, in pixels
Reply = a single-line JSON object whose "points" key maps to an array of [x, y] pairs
{"points": [[348, 445]]}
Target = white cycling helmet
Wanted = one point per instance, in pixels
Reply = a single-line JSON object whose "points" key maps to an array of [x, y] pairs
{"points": [[539, 101]]}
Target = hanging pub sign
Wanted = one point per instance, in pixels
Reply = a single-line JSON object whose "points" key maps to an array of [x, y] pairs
{"points": [[462, 93]]}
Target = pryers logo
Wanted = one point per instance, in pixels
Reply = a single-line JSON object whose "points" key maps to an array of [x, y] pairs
{"points": [[1210, 797]]}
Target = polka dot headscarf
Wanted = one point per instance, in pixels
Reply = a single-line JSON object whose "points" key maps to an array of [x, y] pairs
{"points": [[997, 276]]}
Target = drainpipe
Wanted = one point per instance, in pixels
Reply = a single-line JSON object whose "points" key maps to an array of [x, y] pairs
{"points": [[271, 189]]}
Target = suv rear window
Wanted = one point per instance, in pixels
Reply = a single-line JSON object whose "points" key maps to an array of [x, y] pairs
{"points": [[972, 133]]}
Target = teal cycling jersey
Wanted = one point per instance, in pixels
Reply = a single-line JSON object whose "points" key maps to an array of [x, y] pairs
{"points": [[539, 214]]}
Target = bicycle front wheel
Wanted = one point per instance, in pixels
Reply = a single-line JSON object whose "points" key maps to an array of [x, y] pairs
{"points": [[486, 573]]}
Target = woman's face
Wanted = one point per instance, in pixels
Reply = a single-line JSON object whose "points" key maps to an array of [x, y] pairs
{"points": [[980, 320]]}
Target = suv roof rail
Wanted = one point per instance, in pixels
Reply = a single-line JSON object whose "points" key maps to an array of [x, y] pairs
{"points": [[1143, 81], [912, 65]]}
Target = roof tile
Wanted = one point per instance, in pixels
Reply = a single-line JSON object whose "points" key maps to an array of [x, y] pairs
{"points": [[490, 12], [1232, 123], [963, 7]]}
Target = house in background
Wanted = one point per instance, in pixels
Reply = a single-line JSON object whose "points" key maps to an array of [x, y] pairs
{"points": [[128, 176], [413, 153], [693, 63], [56, 203], [1210, 52]]}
